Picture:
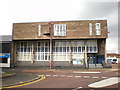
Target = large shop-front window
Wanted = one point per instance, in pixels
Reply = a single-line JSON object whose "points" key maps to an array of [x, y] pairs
{"points": [[24, 51], [77, 46], [59, 29], [60, 50], [92, 46], [60, 46], [24, 47], [40, 50]]}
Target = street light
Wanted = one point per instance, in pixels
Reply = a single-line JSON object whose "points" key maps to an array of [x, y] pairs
{"points": [[50, 28], [50, 34]]}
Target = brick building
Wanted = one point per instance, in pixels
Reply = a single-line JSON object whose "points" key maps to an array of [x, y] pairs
{"points": [[59, 43], [5, 43]]}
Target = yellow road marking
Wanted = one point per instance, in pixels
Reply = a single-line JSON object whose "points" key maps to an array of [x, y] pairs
{"points": [[21, 82], [28, 83]]}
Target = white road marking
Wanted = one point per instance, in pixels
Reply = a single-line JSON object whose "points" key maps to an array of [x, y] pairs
{"points": [[77, 88], [86, 76], [47, 75], [62, 75], [105, 82], [69, 76], [55, 75], [118, 73], [95, 77], [77, 76], [85, 72], [103, 77], [42, 74]]}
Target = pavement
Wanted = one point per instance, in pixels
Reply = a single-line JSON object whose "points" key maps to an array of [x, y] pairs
{"points": [[6, 75], [19, 78]]}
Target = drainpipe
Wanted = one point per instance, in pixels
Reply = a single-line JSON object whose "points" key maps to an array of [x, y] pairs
{"points": [[12, 60]]}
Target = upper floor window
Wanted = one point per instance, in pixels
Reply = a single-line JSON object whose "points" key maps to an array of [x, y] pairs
{"points": [[59, 29], [90, 28], [97, 27], [39, 30]]}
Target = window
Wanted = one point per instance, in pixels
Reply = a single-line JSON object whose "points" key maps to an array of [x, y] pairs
{"points": [[95, 48], [77, 46], [60, 49], [79, 49], [90, 28], [98, 31], [41, 51], [64, 49], [59, 29], [39, 30], [114, 59], [24, 47], [83, 49], [92, 46], [75, 49]]}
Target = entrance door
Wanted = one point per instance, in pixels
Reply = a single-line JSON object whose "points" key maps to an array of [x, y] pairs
{"points": [[91, 59]]}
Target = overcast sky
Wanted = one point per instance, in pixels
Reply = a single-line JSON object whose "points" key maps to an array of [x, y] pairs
{"points": [[15, 11]]}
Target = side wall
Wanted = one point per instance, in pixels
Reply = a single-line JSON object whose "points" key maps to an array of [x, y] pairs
{"points": [[101, 46]]}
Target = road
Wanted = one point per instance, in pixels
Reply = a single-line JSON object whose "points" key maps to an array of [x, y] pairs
{"points": [[62, 78]]}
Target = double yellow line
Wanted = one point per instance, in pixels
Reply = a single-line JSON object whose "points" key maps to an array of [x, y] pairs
{"points": [[40, 77]]}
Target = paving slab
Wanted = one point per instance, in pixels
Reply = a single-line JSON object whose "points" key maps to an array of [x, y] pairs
{"points": [[18, 78]]}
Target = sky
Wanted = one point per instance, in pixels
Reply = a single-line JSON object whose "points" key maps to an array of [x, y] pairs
{"points": [[17, 11]]}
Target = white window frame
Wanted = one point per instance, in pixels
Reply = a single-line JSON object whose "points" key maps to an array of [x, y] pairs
{"points": [[90, 28], [91, 44], [58, 53], [25, 54], [98, 29], [41, 55], [39, 30], [59, 29]]}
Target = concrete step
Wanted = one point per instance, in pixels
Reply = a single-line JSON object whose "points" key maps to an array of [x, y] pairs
{"points": [[91, 66]]}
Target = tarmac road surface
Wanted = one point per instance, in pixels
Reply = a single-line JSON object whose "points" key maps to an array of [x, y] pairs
{"points": [[72, 79]]}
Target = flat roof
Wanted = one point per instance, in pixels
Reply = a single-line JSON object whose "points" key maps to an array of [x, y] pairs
{"points": [[65, 20], [5, 38]]}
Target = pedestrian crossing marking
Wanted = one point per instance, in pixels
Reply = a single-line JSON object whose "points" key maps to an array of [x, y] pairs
{"points": [[95, 77]]}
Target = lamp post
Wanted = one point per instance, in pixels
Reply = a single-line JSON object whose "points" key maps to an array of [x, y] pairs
{"points": [[50, 28], [50, 34]]}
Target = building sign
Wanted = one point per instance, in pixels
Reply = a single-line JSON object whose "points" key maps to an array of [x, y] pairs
{"points": [[4, 55], [5, 60], [78, 62]]}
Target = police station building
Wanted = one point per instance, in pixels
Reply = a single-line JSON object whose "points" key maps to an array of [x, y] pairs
{"points": [[59, 43]]}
